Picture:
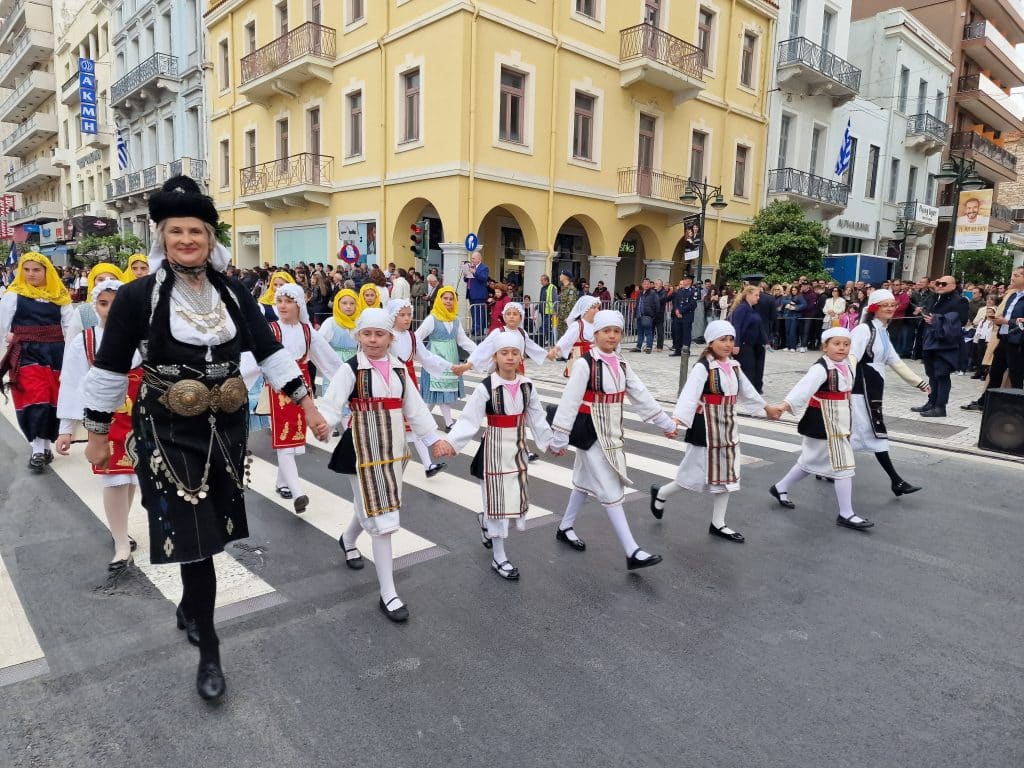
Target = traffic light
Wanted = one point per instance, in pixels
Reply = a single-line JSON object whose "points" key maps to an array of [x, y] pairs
{"points": [[417, 241]]}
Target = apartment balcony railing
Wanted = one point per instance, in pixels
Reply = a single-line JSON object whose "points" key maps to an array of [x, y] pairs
{"points": [[80, 210], [284, 64], [985, 100], [293, 181], [1007, 14], [992, 161], [1001, 218], [803, 187], [26, 15], [28, 96], [189, 166], [651, 55], [121, 190], [987, 47], [28, 136], [69, 91], [819, 72], [32, 50], [646, 189], [41, 212], [926, 133], [31, 175], [158, 72]]}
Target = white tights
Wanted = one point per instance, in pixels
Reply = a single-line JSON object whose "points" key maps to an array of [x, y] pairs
{"points": [[288, 472], [383, 557], [616, 515], [720, 502], [421, 449], [40, 444], [446, 412], [843, 488], [117, 501]]}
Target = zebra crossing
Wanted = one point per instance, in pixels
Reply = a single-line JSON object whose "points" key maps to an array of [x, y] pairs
{"points": [[285, 549]]}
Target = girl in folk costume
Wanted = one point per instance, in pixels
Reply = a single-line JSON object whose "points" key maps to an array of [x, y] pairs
{"points": [[589, 417], [293, 331], [707, 409], [118, 477], [268, 299], [85, 316], [444, 334], [579, 332], [408, 350], [371, 296], [190, 324], [340, 328], [35, 317], [871, 347], [374, 385], [504, 403], [512, 316], [824, 392], [138, 266]]}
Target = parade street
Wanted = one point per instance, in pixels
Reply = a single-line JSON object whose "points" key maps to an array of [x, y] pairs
{"points": [[809, 645]]}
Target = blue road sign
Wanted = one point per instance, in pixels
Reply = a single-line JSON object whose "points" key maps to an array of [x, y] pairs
{"points": [[472, 242]]}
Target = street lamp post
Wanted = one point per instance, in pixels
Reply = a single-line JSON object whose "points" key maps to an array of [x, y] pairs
{"points": [[906, 228], [705, 194], [962, 174]]}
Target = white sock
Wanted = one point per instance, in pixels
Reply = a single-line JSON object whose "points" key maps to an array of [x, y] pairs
{"points": [[446, 413], [355, 526], [664, 492], [498, 548], [795, 475], [40, 444], [720, 503], [421, 449], [617, 515], [385, 566], [844, 495], [117, 501], [576, 501], [288, 471]]}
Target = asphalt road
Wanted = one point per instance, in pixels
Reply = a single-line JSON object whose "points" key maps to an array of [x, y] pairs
{"points": [[810, 645]]}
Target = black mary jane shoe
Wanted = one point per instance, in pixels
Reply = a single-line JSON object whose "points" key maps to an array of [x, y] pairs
{"points": [[210, 683], [119, 566], [301, 504], [902, 488], [355, 563], [509, 574], [189, 625], [396, 615], [578, 544], [632, 563], [863, 525], [48, 456], [485, 540], [734, 536], [531, 457], [778, 497], [37, 464], [654, 502], [283, 492], [433, 469]]}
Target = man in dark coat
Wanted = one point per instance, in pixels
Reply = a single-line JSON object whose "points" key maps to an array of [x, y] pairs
{"points": [[684, 304], [944, 322]]}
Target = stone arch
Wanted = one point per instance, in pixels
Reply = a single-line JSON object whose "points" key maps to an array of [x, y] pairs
{"points": [[638, 244], [414, 210], [504, 231]]}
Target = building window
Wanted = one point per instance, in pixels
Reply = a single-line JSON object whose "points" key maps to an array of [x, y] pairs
{"points": [[796, 9], [912, 183], [848, 176], [922, 97], [225, 65], [225, 163], [282, 139], [784, 125], [929, 190], [250, 37], [894, 180], [282, 17], [583, 127], [739, 181], [355, 124], [705, 24], [356, 11], [747, 59], [510, 111], [250, 148], [587, 8], [871, 189], [815, 149], [411, 105], [828, 28], [698, 144], [904, 87], [940, 105]]}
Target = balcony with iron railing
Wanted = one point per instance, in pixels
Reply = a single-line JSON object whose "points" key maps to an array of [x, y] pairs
{"points": [[926, 133], [29, 176], [28, 95], [991, 161], [1000, 218], [293, 181], [25, 15], [305, 53], [43, 211], [651, 55], [808, 190], [646, 189], [188, 166], [993, 53], [70, 93], [1008, 15], [31, 51], [806, 66], [30, 135], [997, 108], [128, 190], [156, 75]]}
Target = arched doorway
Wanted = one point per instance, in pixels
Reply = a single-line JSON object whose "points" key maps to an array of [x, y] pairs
{"points": [[572, 246], [422, 213], [505, 231]]}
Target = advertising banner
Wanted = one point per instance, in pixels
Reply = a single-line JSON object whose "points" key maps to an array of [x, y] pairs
{"points": [[972, 220], [692, 237]]}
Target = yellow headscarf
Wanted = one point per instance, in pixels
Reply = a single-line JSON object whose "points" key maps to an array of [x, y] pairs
{"points": [[102, 268], [439, 311], [268, 296], [361, 302], [348, 322], [52, 290], [128, 275]]}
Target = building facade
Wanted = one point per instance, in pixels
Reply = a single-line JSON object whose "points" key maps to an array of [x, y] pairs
{"points": [[560, 133]]}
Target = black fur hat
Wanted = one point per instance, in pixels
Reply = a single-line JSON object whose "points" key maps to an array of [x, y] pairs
{"points": [[181, 196]]}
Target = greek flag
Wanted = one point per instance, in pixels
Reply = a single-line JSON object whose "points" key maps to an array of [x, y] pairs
{"points": [[843, 161], [12, 257], [122, 152]]}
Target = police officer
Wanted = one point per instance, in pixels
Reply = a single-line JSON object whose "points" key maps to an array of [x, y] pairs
{"points": [[684, 304]]}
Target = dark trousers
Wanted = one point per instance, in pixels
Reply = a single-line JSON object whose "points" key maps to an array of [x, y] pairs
{"points": [[546, 339], [792, 332], [682, 332], [938, 372], [751, 359], [1007, 357], [659, 331], [645, 332]]}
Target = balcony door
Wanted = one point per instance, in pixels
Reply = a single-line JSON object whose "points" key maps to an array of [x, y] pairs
{"points": [[316, 16], [314, 143], [652, 12], [645, 156], [652, 18]]}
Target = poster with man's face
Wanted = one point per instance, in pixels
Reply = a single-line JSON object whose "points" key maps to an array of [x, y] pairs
{"points": [[972, 220]]}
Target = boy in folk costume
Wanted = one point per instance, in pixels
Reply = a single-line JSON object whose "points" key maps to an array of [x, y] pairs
{"points": [[707, 409], [35, 315], [824, 396], [443, 332], [579, 332], [408, 350], [375, 386], [505, 402], [287, 421], [118, 477], [589, 417]]}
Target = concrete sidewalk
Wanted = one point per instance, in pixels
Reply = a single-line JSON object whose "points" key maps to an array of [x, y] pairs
{"points": [[957, 432]]}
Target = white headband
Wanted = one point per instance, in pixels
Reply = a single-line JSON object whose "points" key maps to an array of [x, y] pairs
{"points": [[514, 305], [296, 294], [608, 318], [583, 303], [506, 339], [716, 329], [832, 333], [106, 285], [394, 306]]}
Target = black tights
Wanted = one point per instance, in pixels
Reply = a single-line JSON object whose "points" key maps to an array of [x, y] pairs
{"points": [[199, 593], [890, 470]]}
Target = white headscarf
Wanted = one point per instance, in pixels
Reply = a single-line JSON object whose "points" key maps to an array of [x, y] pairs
{"points": [[583, 303], [878, 296], [296, 294], [514, 305], [375, 318], [716, 329], [832, 333], [394, 306], [106, 285], [505, 339], [608, 318]]}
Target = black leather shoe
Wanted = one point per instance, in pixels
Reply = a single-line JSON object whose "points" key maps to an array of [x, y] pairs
{"points": [[939, 413], [189, 625], [734, 536], [973, 406], [632, 563], [920, 408], [37, 464], [902, 488], [48, 456], [355, 563], [301, 503], [675, 354], [210, 682], [119, 566], [433, 469], [654, 498], [397, 615], [283, 492], [578, 545], [509, 574], [778, 497], [531, 457], [863, 525]]}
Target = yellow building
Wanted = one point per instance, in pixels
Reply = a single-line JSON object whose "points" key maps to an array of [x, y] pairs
{"points": [[561, 132]]}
